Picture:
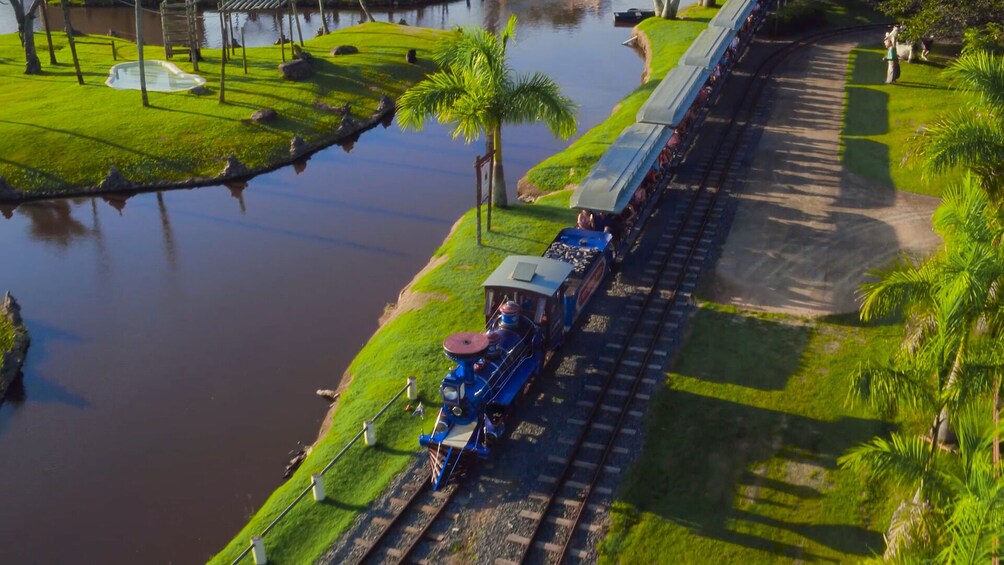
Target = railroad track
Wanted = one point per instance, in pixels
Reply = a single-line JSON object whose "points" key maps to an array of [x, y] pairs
{"points": [[550, 533], [553, 533]]}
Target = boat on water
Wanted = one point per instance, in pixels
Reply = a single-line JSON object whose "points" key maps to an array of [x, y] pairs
{"points": [[633, 15]]}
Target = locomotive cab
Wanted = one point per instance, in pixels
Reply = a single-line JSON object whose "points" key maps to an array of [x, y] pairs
{"points": [[538, 286]]}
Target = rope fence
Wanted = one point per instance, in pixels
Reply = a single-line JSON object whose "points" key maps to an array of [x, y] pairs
{"points": [[316, 486]]}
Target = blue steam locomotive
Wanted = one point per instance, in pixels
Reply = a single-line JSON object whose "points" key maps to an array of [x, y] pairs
{"points": [[531, 302]]}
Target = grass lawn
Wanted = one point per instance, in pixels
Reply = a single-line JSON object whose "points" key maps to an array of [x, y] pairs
{"points": [[668, 40], [739, 463], [881, 120], [409, 345], [58, 135]]}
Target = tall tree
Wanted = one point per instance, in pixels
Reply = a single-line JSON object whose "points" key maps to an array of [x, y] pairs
{"points": [[25, 18], [972, 137], [477, 92], [947, 19]]}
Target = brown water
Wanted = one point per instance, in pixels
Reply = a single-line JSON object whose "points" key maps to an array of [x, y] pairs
{"points": [[177, 342]]}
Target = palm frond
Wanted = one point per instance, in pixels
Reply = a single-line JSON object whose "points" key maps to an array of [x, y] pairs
{"points": [[896, 287], [885, 388], [536, 97], [982, 73], [901, 460], [435, 96]]}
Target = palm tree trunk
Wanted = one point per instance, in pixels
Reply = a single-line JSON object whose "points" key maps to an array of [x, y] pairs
{"points": [[499, 197]]}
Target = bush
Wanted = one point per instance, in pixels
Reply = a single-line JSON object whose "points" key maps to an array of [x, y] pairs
{"points": [[798, 16], [989, 38]]}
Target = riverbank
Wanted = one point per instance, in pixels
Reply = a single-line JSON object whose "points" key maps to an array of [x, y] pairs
{"points": [[14, 341], [410, 344], [184, 139]]}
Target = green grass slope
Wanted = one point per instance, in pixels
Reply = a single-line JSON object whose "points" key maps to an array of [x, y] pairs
{"points": [[881, 121], [739, 463], [668, 40], [59, 135]]}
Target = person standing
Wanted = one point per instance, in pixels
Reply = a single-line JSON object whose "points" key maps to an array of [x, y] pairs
{"points": [[892, 62]]}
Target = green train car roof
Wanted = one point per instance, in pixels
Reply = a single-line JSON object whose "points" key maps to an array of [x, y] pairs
{"points": [[530, 273], [733, 14], [671, 99], [708, 48], [612, 182]]}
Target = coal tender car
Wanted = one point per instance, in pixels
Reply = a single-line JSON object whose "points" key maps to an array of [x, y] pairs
{"points": [[530, 304]]}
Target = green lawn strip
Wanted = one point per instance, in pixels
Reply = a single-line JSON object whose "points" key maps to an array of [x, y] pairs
{"points": [[411, 344], [739, 463], [58, 134], [668, 40], [881, 121]]}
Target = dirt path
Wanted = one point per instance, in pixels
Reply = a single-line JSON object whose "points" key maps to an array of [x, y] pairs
{"points": [[806, 233]]}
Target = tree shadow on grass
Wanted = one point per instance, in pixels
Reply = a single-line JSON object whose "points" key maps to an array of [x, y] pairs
{"points": [[776, 354], [703, 453], [867, 112], [868, 159]]}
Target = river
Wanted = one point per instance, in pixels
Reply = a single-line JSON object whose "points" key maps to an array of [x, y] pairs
{"points": [[178, 337]]}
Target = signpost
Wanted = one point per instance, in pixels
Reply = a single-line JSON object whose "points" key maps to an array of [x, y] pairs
{"points": [[479, 162]]}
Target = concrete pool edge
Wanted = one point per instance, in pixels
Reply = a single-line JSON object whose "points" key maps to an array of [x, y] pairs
{"points": [[167, 65]]}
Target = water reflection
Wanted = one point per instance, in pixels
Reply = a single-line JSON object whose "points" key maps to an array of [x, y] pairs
{"points": [[52, 221]]}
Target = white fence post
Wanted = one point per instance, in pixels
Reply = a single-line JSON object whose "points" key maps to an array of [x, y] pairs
{"points": [[369, 433], [318, 487], [412, 388], [258, 550]]}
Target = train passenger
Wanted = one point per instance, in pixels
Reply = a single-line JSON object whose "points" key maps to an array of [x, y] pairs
{"points": [[585, 220]]}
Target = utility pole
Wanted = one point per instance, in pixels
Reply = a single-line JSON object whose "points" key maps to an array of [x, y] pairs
{"points": [[139, 51]]}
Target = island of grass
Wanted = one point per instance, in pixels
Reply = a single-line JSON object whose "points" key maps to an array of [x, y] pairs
{"points": [[446, 299], [60, 138], [14, 341]]}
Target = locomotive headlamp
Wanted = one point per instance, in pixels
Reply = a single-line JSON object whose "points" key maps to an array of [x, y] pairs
{"points": [[457, 411], [450, 394]]}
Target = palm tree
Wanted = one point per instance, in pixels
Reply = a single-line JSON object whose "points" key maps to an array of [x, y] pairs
{"points": [[476, 91], [963, 508], [972, 137]]}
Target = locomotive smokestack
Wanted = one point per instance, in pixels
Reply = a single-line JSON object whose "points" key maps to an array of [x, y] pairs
{"points": [[465, 348]]}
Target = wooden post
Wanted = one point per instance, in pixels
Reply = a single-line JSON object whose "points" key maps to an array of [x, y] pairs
{"points": [[324, 22], [68, 26], [289, 14], [244, 51], [412, 388], [230, 23], [477, 194], [48, 32], [369, 433], [317, 486], [223, 34], [491, 182], [139, 51], [258, 551], [115, 56], [223, 76], [282, 46], [299, 32]]}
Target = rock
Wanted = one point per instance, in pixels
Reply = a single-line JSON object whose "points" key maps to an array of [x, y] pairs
{"points": [[199, 90], [325, 107], [264, 116], [234, 168], [299, 53], [114, 180], [401, 22], [11, 309], [297, 69], [344, 50], [348, 124], [7, 192], [328, 394], [296, 147], [386, 104], [411, 57]]}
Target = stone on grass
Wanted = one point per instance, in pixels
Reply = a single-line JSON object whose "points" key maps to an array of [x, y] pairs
{"points": [[325, 107], [386, 104], [299, 53], [114, 180], [411, 57], [344, 50], [296, 146], [264, 116], [234, 168], [297, 69], [199, 90]]}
